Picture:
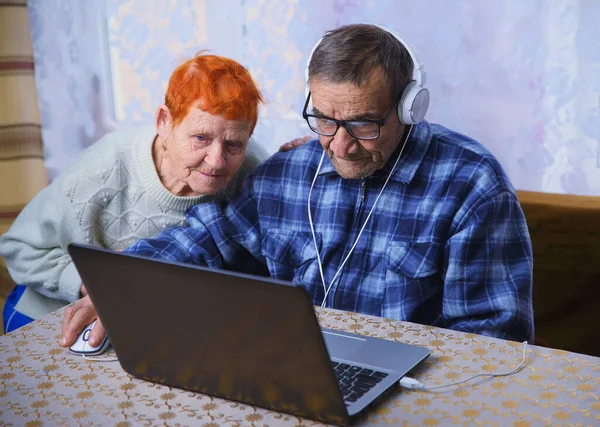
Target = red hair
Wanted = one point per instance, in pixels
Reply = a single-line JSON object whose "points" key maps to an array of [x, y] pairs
{"points": [[222, 86]]}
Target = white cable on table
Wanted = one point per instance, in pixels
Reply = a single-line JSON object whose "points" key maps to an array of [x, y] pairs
{"points": [[413, 384]]}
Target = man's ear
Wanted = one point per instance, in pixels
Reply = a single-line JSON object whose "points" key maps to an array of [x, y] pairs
{"points": [[164, 121]]}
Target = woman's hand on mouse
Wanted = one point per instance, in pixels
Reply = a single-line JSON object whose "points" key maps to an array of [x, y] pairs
{"points": [[77, 316]]}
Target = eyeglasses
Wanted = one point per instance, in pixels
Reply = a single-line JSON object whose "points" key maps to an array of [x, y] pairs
{"points": [[359, 129]]}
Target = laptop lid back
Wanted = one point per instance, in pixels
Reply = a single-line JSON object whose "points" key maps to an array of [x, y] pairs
{"points": [[230, 335]]}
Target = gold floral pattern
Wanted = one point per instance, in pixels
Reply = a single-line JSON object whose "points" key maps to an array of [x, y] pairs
{"points": [[42, 384]]}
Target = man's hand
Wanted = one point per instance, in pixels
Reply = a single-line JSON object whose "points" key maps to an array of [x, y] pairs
{"points": [[78, 316], [295, 143]]}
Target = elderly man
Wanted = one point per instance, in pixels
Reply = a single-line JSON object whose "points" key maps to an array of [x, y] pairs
{"points": [[401, 218]]}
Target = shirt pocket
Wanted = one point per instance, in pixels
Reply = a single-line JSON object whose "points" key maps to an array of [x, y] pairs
{"points": [[412, 278], [291, 255]]}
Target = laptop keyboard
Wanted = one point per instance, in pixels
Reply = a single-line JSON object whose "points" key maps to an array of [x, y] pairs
{"points": [[355, 381]]}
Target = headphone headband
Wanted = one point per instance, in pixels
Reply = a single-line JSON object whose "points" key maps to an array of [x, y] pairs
{"points": [[418, 69]]}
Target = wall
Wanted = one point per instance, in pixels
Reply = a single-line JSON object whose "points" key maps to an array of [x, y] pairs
{"points": [[522, 77]]}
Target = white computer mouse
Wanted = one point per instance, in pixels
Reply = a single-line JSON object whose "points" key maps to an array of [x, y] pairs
{"points": [[82, 347]]}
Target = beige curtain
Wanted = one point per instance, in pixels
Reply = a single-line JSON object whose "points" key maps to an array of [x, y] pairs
{"points": [[22, 172]]}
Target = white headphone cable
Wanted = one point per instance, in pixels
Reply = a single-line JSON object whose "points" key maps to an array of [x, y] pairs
{"points": [[414, 384], [312, 228], [325, 288]]}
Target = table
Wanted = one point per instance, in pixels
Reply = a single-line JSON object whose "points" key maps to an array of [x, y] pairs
{"points": [[43, 384]]}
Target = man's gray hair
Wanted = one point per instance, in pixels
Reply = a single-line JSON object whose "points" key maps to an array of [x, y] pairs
{"points": [[352, 52]]}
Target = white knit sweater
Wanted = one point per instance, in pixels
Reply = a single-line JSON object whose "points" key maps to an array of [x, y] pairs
{"points": [[110, 197]]}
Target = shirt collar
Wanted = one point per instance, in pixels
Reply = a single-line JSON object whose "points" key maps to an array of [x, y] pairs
{"points": [[414, 152]]}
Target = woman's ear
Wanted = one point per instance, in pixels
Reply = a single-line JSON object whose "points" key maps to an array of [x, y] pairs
{"points": [[164, 121]]}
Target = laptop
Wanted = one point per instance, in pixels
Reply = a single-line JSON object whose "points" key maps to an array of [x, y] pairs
{"points": [[236, 336]]}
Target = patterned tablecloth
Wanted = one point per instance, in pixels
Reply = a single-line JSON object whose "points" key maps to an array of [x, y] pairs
{"points": [[43, 384]]}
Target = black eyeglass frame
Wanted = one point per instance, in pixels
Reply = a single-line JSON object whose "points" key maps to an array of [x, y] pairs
{"points": [[343, 123]]}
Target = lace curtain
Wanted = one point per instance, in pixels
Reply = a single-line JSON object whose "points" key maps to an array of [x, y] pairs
{"points": [[521, 77]]}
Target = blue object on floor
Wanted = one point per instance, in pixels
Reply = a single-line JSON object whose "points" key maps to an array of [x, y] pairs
{"points": [[12, 319]]}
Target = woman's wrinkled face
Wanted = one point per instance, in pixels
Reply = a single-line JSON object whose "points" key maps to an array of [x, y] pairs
{"points": [[203, 152]]}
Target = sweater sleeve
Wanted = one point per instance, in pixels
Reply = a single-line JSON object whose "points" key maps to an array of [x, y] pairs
{"points": [[222, 234], [34, 248]]}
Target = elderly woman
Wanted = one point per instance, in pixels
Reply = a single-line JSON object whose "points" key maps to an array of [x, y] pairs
{"points": [[132, 184]]}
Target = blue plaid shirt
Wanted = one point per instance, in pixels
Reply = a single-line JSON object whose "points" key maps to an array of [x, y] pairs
{"points": [[447, 244]]}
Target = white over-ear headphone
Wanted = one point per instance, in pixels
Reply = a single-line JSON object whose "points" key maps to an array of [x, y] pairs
{"points": [[415, 99]]}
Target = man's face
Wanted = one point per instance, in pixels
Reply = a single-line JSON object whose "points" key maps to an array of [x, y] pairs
{"points": [[353, 158]]}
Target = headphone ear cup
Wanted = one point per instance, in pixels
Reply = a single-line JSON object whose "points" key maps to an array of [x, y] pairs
{"points": [[413, 105]]}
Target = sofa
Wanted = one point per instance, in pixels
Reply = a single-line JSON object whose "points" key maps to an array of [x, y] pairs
{"points": [[565, 234]]}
